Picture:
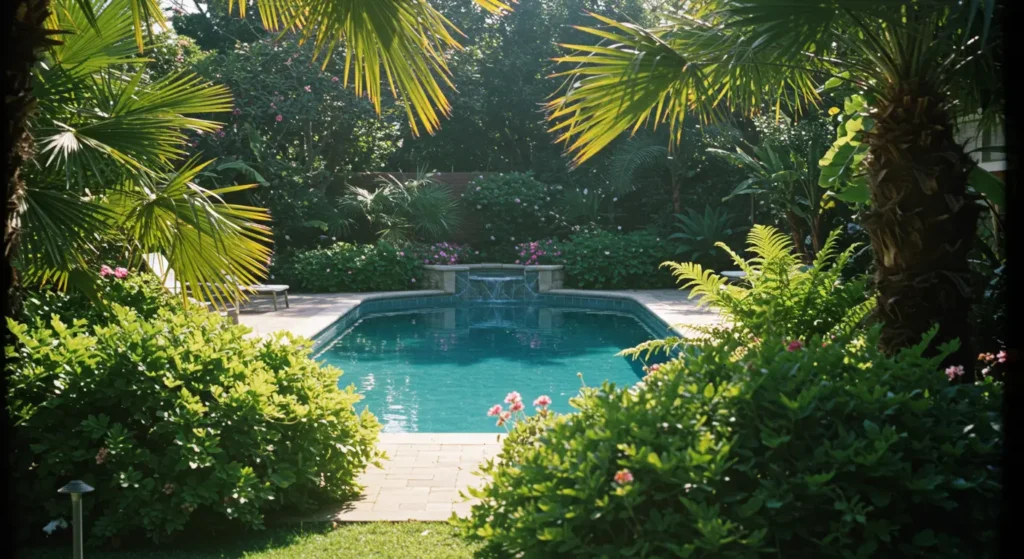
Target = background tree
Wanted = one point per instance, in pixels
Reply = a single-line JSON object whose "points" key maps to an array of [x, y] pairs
{"points": [[921, 64]]}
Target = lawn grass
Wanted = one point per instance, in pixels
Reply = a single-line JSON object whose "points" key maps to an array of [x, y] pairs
{"points": [[377, 540]]}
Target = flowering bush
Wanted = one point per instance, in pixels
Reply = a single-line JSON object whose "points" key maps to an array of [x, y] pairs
{"points": [[517, 409], [826, 450], [443, 254], [596, 259], [539, 252], [510, 208], [142, 292], [175, 416], [345, 267]]}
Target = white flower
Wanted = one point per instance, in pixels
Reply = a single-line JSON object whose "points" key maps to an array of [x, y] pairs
{"points": [[478, 206], [54, 524], [606, 253], [584, 191], [513, 238], [620, 228], [492, 237], [615, 199]]}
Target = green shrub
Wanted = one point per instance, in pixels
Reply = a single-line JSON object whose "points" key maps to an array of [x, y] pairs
{"points": [[140, 291], [510, 208], [596, 259], [828, 450], [176, 419], [344, 267]]}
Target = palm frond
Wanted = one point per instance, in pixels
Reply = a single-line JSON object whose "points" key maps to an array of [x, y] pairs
{"points": [[643, 76], [124, 121], [60, 233], [637, 153], [214, 247]]}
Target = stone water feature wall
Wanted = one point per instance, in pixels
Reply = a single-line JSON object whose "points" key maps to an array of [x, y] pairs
{"points": [[494, 282]]}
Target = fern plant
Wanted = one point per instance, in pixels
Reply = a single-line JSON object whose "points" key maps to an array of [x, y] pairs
{"points": [[781, 300]]}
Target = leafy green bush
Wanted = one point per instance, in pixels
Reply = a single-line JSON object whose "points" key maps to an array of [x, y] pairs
{"points": [[140, 291], [596, 259], [509, 208], [344, 267], [176, 419], [826, 450]]}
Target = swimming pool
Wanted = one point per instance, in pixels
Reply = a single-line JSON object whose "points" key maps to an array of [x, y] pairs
{"points": [[438, 369]]}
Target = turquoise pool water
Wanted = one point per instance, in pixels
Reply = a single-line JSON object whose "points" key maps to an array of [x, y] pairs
{"points": [[439, 370]]}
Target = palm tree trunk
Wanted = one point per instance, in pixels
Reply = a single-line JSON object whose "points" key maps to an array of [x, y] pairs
{"points": [[26, 36], [922, 221]]}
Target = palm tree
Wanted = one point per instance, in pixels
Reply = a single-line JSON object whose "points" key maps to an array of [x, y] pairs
{"points": [[109, 139], [401, 41], [922, 64]]}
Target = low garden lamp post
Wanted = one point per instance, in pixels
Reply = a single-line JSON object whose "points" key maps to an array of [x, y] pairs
{"points": [[76, 488]]}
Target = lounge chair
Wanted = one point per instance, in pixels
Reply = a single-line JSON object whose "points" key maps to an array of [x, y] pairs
{"points": [[161, 268]]}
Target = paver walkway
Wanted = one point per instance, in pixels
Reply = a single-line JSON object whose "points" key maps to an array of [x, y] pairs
{"points": [[422, 477]]}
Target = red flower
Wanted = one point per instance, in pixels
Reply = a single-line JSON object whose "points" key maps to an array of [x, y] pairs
{"points": [[622, 477], [794, 345], [279, 118]]}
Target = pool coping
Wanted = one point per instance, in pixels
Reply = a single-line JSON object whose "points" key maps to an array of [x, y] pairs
{"points": [[315, 316], [662, 318]]}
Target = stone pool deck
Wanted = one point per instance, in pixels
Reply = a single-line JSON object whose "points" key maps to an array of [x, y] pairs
{"points": [[311, 313], [424, 472]]}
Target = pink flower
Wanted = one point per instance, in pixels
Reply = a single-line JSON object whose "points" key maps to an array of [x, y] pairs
{"points": [[516, 406], [308, 88], [105, 271], [101, 456], [334, 79], [505, 416], [622, 477], [986, 370], [279, 118], [542, 402], [517, 200], [794, 345], [121, 273], [1001, 356], [954, 371], [400, 253], [517, 261], [513, 397], [495, 410]]}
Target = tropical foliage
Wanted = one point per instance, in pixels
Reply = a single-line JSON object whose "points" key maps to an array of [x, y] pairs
{"points": [[698, 235], [417, 209], [221, 427], [111, 165], [918, 65]]}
